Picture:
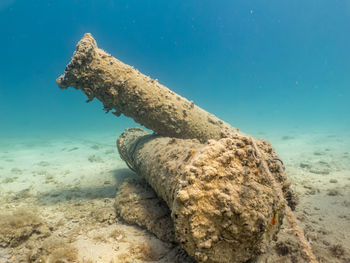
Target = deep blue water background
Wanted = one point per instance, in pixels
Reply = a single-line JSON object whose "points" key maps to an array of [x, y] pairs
{"points": [[258, 64]]}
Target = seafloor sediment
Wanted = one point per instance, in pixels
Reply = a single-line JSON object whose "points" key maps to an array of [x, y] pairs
{"points": [[57, 201]]}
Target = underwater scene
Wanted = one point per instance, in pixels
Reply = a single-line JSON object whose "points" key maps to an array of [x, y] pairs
{"points": [[215, 131]]}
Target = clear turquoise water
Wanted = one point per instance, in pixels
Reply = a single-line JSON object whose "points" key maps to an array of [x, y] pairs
{"points": [[277, 69], [260, 65]]}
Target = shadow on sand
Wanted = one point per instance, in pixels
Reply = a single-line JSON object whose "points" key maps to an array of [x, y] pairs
{"points": [[87, 193]]}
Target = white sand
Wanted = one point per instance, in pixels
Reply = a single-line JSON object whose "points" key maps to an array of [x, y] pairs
{"points": [[70, 183]]}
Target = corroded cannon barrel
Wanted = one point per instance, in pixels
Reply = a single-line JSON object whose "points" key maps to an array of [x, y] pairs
{"points": [[223, 205], [227, 195], [124, 89]]}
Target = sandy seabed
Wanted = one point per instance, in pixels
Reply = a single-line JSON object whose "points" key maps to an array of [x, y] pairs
{"points": [[57, 198]]}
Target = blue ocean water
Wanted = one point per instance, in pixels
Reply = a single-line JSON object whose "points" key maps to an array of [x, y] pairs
{"points": [[277, 69], [260, 65]]}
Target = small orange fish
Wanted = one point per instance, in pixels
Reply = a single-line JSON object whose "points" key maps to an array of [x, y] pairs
{"points": [[274, 219]]}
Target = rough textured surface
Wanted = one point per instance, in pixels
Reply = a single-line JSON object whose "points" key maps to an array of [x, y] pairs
{"points": [[80, 205], [138, 204], [204, 233], [124, 89], [17, 227], [223, 206]]}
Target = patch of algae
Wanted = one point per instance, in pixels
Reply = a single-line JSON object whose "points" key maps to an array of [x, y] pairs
{"points": [[53, 250], [18, 226], [143, 252], [30, 238]]}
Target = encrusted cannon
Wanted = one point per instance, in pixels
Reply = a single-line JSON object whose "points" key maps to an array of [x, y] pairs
{"points": [[227, 191], [223, 205], [124, 89]]}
